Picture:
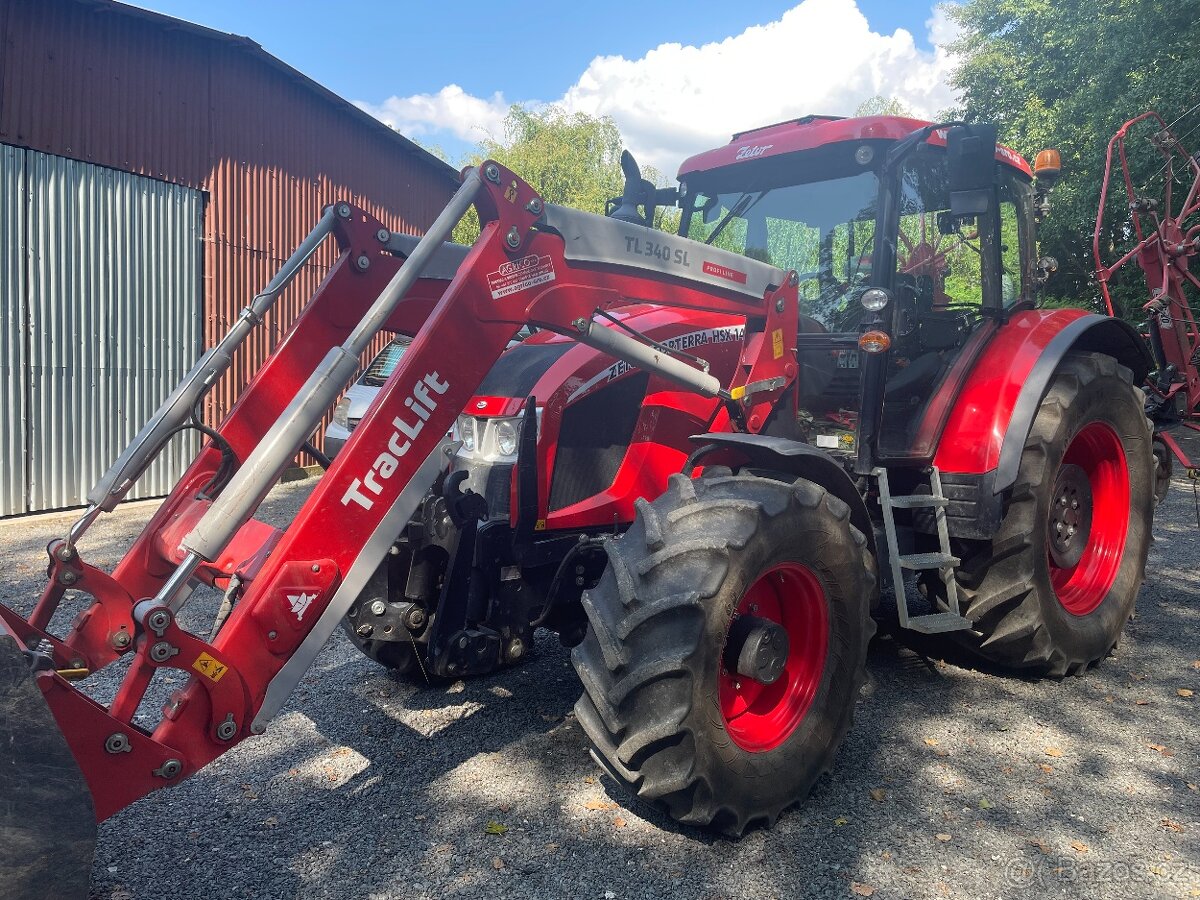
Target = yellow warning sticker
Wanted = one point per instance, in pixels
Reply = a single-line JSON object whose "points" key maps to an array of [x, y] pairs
{"points": [[540, 525], [777, 342], [210, 668]]}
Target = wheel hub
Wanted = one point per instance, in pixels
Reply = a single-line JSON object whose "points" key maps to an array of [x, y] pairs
{"points": [[758, 648], [1070, 521]]}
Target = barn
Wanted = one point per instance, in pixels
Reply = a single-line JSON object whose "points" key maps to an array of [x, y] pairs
{"points": [[154, 174]]}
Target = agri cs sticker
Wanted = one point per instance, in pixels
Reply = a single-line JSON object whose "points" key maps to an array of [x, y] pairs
{"points": [[520, 275]]}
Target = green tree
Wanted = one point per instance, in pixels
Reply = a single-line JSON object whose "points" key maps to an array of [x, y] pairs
{"points": [[571, 159], [1067, 74], [883, 106]]}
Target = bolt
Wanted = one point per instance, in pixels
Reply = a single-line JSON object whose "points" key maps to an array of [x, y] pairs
{"points": [[415, 618], [753, 607], [316, 568], [516, 649], [1062, 501], [227, 729], [383, 235], [378, 607], [343, 210], [271, 635], [579, 570], [162, 651], [737, 685], [118, 743], [1058, 527], [122, 639], [1071, 531], [535, 206], [158, 621], [1074, 504], [66, 576], [365, 630], [462, 642], [65, 552], [363, 263], [169, 769], [779, 305], [795, 279], [492, 173], [513, 238]]}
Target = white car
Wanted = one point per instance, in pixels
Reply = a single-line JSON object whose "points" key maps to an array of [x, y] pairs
{"points": [[357, 400], [353, 406]]}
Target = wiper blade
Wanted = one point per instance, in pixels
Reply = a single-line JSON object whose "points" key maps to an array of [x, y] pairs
{"points": [[738, 209]]}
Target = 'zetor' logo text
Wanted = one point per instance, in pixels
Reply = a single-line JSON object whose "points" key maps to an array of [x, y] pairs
{"points": [[752, 152], [422, 404]]}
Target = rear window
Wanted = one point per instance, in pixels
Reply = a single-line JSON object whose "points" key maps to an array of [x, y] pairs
{"points": [[383, 365]]}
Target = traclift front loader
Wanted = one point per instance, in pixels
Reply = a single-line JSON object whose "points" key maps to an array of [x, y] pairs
{"points": [[898, 404]]}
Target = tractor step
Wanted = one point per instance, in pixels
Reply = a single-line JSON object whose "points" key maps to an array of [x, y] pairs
{"points": [[918, 501], [942, 561], [928, 560], [938, 623]]}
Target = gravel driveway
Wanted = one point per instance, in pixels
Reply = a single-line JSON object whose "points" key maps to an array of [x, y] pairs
{"points": [[952, 783]]}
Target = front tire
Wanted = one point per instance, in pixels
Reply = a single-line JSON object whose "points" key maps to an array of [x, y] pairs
{"points": [[1051, 592], [667, 716]]}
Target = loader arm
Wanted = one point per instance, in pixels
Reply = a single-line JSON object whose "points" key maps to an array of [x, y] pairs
{"points": [[532, 264]]}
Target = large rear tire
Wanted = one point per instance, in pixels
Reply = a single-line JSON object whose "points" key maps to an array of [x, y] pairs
{"points": [[1051, 592], [668, 715]]}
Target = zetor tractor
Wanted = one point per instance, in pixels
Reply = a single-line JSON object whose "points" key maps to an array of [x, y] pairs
{"points": [[877, 392]]}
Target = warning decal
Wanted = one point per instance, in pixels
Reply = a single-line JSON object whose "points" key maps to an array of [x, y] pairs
{"points": [[777, 343], [520, 274], [210, 668]]}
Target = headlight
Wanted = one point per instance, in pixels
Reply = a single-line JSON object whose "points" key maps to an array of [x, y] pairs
{"points": [[341, 413], [874, 299], [506, 438], [466, 433]]}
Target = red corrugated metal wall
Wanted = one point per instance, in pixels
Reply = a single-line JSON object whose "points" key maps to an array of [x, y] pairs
{"points": [[120, 88]]}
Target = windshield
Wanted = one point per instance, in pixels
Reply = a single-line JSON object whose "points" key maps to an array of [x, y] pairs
{"points": [[822, 229], [384, 364]]}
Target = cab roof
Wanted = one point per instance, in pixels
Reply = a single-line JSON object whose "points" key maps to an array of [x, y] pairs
{"points": [[810, 132]]}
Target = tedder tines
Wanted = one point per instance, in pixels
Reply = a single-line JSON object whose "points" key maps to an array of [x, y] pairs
{"points": [[837, 369]]}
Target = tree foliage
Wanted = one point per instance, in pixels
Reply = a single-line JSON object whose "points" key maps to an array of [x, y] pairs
{"points": [[571, 159], [1067, 74]]}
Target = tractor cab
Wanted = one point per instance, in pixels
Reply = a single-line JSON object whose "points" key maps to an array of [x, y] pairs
{"points": [[911, 242]]}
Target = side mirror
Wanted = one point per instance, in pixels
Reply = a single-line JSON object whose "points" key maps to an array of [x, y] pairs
{"points": [[971, 161]]}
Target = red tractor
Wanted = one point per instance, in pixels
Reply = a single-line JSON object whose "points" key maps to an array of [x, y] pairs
{"points": [[885, 397]]}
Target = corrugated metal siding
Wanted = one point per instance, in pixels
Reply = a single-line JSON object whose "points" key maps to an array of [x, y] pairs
{"points": [[114, 313], [13, 330], [130, 90]]}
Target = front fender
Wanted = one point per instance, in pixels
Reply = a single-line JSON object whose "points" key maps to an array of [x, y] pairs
{"points": [[994, 411], [799, 459]]}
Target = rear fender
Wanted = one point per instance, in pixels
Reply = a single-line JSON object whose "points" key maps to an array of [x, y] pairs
{"points": [[793, 458], [994, 411]]}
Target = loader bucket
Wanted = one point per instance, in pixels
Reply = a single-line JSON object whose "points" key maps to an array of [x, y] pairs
{"points": [[47, 823]]}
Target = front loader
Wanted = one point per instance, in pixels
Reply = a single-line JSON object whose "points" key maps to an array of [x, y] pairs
{"points": [[898, 404]]}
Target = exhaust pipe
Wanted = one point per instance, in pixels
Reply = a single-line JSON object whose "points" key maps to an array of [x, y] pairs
{"points": [[47, 821]]}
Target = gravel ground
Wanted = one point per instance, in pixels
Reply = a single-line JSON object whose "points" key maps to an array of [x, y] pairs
{"points": [[952, 783]]}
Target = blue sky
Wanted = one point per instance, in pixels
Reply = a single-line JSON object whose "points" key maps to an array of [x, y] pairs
{"points": [[677, 77]]}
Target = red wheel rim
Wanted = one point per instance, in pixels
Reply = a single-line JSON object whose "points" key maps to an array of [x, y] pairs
{"points": [[761, 717], [1098, 451]]}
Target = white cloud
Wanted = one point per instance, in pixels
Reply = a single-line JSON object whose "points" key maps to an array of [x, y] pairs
{"points": [[821, 56], [451, 109]]}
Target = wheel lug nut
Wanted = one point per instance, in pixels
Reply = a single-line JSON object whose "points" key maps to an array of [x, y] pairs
{"points": [[1070, 531], [1074, 504]]}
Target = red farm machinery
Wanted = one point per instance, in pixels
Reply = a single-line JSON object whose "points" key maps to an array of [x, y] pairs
{"points": [[698, 472], [1162, 235]]}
